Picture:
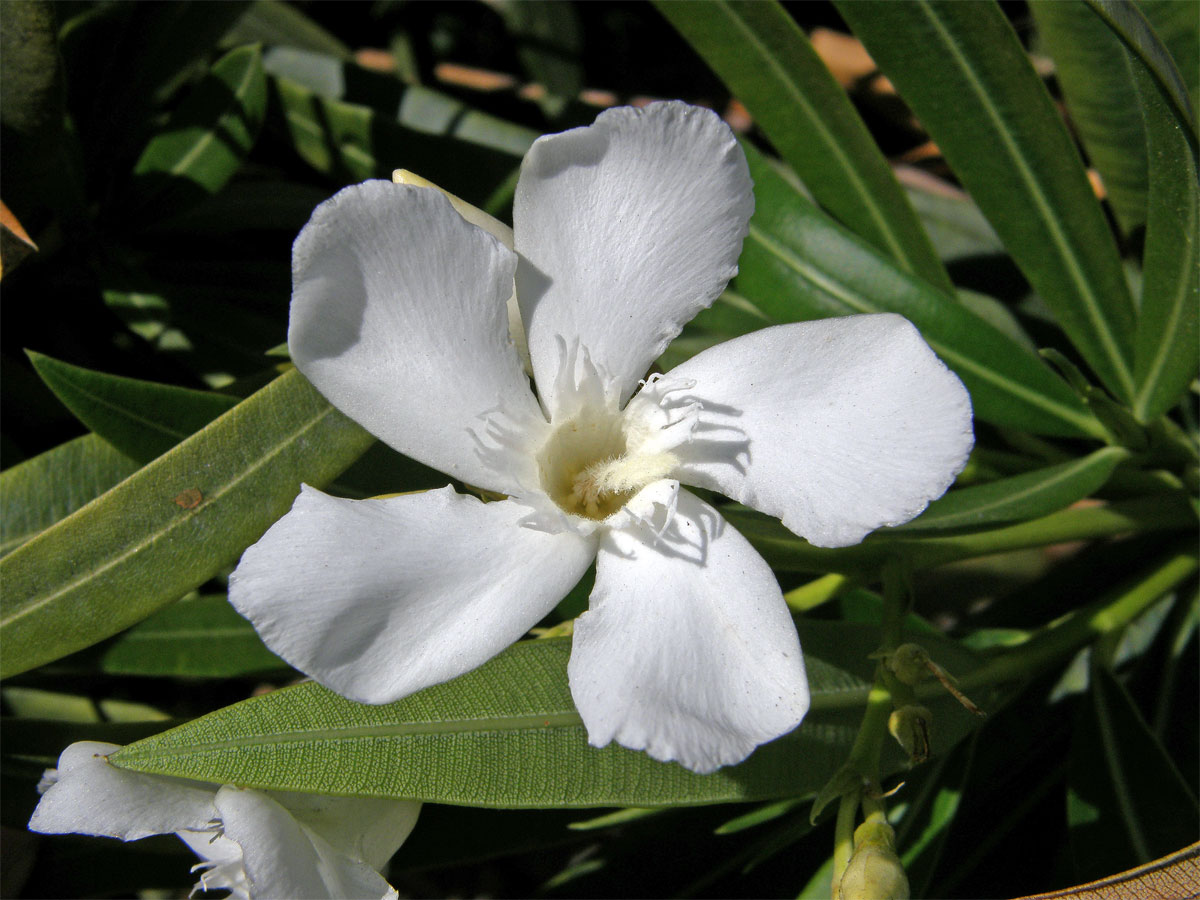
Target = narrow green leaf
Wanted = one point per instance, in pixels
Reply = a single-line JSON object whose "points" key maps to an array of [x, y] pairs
{"points": [[1020, 497], [205, 140], [1178, 27], [172, 525], [1127, 803], [1166, 347], [38, 492], [273, 22], [767, 61], [788, 553], [1129, 23], [508, 735], [798, 264], [1092, 68], [201, 637], [965, 75], [142, 419], [350, 143], [548, 39]]}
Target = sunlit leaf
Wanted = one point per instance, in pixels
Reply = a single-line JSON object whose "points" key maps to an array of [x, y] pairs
{"points": [[142, 419], [205, 140], [1025, 496], [797, 264], [507, 734], [768, 62], [38, 492], [172, 525], [965, 75]]}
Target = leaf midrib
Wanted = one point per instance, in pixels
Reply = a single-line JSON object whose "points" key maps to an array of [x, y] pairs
{"points": [[1066, 251], [35, 603], [851, 299], [967, 516], [833, 146]]}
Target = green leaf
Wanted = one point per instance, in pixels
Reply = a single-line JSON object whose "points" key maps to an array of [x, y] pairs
{"points": [[1020, 497], [1126, 803], [202, 637], [274, 22], [123, 60], [768, 62], [415, 107], [142, 419], [1166, 347], [207, 137], [965, 75], [548, 39], [798, 264], [172, 525], [1178, 27], [1092, 67], [508, 735], [38, 492], [1129, 23], [352, 143]]}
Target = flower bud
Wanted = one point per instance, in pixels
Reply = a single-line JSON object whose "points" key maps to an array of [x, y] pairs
{"points": [[874, 871], [910, 725], [909, 663]]}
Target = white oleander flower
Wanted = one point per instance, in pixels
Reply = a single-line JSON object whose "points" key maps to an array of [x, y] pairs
{"points": [[623, 231], [256, 844]]}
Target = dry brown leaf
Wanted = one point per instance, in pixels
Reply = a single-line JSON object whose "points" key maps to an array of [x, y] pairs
{"points": [[1174, 877], [15, 244]]}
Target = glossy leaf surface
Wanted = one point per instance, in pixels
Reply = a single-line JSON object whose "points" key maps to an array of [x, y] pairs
{"points": [[799, 264], [965, 75], [142, 419], [768, 62]]}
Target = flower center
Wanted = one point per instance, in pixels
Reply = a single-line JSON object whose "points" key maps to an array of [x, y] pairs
{"points": [[591, 468]]}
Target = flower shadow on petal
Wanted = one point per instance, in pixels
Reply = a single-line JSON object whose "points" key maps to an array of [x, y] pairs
{"points": [[328, 329]]}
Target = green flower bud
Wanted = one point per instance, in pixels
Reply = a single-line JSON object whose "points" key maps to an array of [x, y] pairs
{"points": [[874, 871], [910, 725], [909, 663]]}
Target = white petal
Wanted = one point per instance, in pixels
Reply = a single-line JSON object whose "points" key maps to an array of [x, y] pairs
{"points": [[367, 828], [222, 866], [626, 229], [284, 859], [91, 796], [837, 426], [687, 650], [377, 599], [398, 317]]}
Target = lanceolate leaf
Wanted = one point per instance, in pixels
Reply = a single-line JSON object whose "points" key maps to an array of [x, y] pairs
{"points": [[1092, 68], [965, 75], [508, 735], [1020, 497], [1166, 348], [206, 139], [797, 263], [1129, 23], [38, 492], [142, 419], [200, 637], [172, 525], [768, 62], [1127, 802]]}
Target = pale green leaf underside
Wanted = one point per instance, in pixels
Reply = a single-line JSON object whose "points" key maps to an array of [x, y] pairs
{"points": [[508, 735]]}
